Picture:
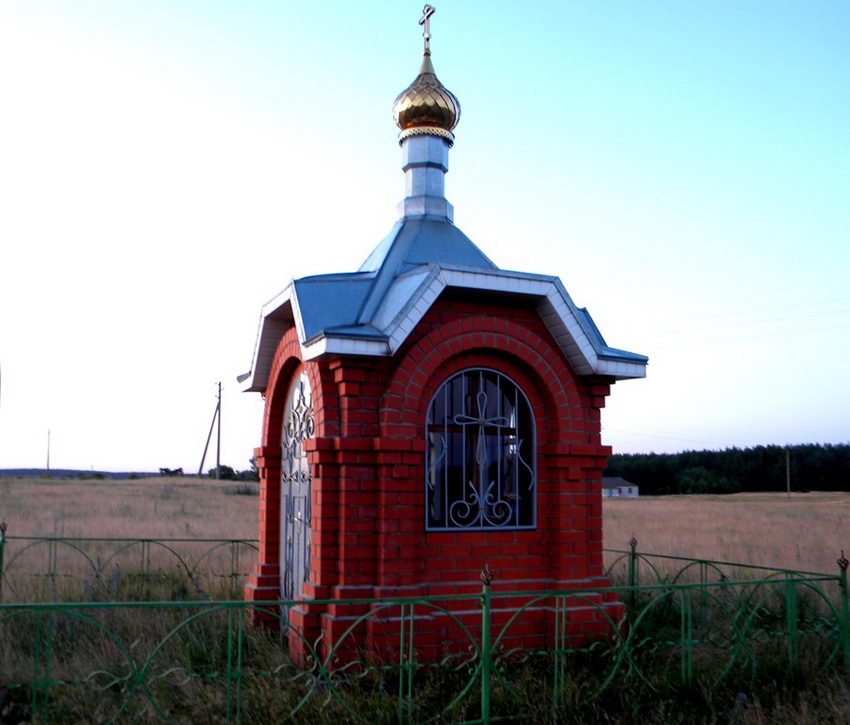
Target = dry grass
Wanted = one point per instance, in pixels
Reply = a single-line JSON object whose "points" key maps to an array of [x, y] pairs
{"points": [[804, 531], [146, 508], [153, 508]]}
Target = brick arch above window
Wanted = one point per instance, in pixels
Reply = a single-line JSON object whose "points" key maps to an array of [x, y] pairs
{"points": [[492, 342], [287, 361]]}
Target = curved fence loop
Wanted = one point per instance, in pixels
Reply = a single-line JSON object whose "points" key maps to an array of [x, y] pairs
{"points": [[50, 574], [703, 567], [336, 666], [40, 568], [474, 657]]}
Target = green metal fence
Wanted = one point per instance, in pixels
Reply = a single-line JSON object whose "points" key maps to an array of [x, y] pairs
{"points": [[200, 661], [633, 568], [54, 568], [692, 623]]}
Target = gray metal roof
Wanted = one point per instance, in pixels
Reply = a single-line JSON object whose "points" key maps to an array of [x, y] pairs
{"points": [[415, 241], [373, 310]]}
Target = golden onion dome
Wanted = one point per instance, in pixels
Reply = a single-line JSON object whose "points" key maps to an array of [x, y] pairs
{"points": [[426, 106]]}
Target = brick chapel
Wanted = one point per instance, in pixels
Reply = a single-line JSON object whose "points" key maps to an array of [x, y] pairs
{"points": [[427, 413]]}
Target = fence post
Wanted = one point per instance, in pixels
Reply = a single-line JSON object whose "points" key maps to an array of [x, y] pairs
{"points": [[686, 635], [633, 571], [3, 527], [703, 598], [844, 625], [486, 578], [234, 568], [42, 657], [406, 662], [791, 624], [51, 569]]}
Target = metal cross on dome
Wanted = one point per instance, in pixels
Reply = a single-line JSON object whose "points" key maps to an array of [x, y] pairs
{"points": [[425, 21]]}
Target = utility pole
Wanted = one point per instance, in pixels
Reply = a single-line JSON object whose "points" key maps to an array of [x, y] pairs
{"points": [[216, 417], [218, 436], [48, 452]]}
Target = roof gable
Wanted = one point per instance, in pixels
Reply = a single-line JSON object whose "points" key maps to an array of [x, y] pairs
{"points": [[374, 310]]}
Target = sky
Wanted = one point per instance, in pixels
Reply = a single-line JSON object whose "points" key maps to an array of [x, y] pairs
{"points": [[168, 167]]}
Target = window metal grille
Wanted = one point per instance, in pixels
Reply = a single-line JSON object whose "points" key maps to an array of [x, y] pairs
{"points": [[480, 470]]}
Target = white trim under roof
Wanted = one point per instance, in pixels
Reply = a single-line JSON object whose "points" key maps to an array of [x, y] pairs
{"points": [[557, 310]]}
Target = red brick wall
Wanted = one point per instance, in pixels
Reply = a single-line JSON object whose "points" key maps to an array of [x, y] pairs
{"points": [[455, 334], [367, 460]]}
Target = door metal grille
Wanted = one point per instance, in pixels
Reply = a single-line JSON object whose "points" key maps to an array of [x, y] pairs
{"points": [[298, 426]]}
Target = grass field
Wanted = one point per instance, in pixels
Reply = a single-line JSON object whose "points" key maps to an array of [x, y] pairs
{"points": [[179, 507], [155, 508], [803, 531]]}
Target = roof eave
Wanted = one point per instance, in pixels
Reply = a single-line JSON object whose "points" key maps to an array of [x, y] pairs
{"points": [[572, 328], [276, 317]]}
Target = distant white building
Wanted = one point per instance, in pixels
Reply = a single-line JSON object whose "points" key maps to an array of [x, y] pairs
{"points": [[616, 486]]}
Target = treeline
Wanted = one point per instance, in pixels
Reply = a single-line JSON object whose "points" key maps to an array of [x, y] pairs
{"points": [[814, 467]]}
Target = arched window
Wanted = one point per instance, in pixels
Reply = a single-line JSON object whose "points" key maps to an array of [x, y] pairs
{"points": [[480, 455]]}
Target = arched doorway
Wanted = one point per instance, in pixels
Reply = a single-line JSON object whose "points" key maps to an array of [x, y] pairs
{"points": [[295, 479]]}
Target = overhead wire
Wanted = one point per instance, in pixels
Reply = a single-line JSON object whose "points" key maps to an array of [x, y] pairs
{"points": [[774, 308], [668, 435], [783, 333], [771, 320]]}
